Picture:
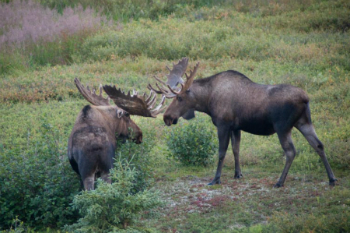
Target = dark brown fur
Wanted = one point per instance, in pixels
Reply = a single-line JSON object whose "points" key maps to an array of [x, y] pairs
{"points": [[235, 103], [92, 143]]}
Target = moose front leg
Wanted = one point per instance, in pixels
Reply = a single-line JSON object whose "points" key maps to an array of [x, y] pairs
{"points": [[224, 139], [235, 142]]}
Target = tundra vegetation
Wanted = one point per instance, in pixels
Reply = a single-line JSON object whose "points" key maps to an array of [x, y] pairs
{"points": [[304, 43]]}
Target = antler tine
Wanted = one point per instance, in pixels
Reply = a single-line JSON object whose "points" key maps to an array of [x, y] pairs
{"points": [[149, 97], [161, 91], [159, 80], [159, 108], [155, 113], [161, 88], [168, 94], [193, 72], [91, 96], [189, 79], [151, 103], [100, 87], [175, 92], [156, 91]]}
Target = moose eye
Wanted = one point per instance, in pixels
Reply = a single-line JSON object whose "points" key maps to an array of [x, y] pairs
{"points": [[179, 98], [126, 114]]}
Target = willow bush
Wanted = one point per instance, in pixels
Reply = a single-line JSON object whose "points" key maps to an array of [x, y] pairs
{"points": [[113, 207], [192, 143]]}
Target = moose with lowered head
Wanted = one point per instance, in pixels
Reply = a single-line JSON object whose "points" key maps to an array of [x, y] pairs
{"points": [[235, 103], [92, 143]]}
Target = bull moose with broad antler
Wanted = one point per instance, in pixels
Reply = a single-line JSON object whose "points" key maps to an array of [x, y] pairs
{"points": [[92, 143], [235, 104]]}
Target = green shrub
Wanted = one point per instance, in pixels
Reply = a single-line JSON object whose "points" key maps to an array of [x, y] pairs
{"points": [[192, 143], [37, 183], [138, 157], [113, 207]]}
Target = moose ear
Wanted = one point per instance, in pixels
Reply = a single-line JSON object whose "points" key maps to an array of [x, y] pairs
{"points": [[189, 115]]}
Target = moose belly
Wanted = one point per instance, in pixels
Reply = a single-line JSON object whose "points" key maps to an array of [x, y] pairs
{"points": [[258, 127]]}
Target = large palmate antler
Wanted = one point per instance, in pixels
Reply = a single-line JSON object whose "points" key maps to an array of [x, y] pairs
{"points": [[169, 89], [135, 104], [91, 96]]}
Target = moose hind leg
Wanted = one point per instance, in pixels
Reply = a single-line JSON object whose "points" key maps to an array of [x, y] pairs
{"points": [[106, 178], [224, 140], [106, 163], [88, 182], [289, 150], [235, 142], [87, 171], [309, 133]]}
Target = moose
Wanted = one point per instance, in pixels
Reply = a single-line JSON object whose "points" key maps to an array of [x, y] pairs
{"points": [[92, 143], [235, 103]]}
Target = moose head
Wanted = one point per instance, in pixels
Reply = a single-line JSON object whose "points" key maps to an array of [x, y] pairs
{"points": [[183, 103]]}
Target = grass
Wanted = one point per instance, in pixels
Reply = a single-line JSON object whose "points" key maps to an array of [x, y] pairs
{"points": [[305, 44], [240, 205]]}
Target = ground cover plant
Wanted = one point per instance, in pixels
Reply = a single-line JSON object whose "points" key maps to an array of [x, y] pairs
{"points": [[305, 43]]}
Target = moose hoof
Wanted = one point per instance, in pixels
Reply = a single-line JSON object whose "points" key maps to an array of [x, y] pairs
{"points": [[278, 185], [238, 176], [332, 182], [215, 182]]}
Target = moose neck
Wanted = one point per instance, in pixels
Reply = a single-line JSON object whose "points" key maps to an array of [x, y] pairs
{"points": [[201, 92], [107, 118]]}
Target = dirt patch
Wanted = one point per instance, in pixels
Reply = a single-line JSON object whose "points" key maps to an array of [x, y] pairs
{"points": [[192, 194]]}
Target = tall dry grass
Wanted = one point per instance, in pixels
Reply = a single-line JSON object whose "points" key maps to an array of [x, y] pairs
{"points": [[32, 35]]}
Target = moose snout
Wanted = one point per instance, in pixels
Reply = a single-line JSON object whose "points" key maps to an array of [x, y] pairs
{"points": [[169, 120], [138, 139]]}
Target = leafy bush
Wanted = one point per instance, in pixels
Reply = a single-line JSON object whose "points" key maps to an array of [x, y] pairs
{"points": [[37, 183], [113, 207], [192, 143], [138, 157]]}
